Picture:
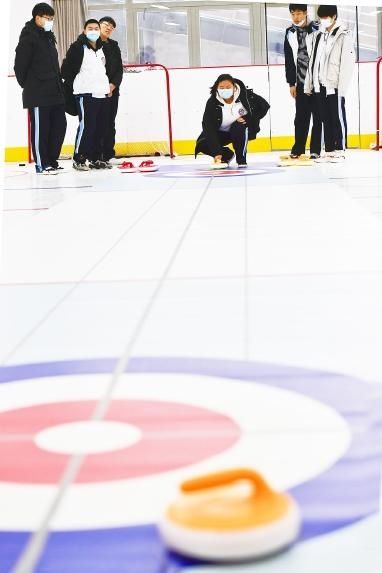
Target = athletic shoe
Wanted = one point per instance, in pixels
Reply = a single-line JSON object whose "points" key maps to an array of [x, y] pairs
{"points": [[220, 165], [108, 165], [57, 166], [80, 166], [96, 164], [314, 156], [47, 171], [326, 158], [242, 165], [339, 157]]}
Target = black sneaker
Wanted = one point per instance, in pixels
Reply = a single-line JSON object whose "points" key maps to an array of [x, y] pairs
{"points": [[95, 165], [57, 166], [242, 165], [98, 164], [80, 166], [108, 165], [314, 156]]}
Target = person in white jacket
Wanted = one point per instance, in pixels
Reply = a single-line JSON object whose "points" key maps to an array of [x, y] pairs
{"points": [[328, 77], [85, 69]]}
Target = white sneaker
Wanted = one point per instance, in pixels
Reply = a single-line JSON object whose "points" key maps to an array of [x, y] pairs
{"points": [[339, 157], [220, 165], [325, 158]]}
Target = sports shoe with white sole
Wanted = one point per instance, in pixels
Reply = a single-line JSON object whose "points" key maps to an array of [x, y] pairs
{"points": [[339, 157], [80, 166], [326, 158], [47, 171]]}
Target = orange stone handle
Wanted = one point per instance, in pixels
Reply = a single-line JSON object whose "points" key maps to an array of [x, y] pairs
{"points": [[225, 478]]}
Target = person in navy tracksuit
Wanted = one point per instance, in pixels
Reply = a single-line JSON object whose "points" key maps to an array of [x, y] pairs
{"points": [[297, 50], [38, 73]]}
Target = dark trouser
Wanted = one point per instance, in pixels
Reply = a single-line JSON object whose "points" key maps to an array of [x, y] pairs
{"points": [[333, 116], [306, 106], [238, 136], [48, 128], [109, 136], [91, 129]]}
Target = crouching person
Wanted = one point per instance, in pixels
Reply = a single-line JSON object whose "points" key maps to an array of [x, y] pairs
{"points": [[84, 67], [232, 115]]}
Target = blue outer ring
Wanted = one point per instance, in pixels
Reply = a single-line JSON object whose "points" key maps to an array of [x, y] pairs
{"points": [[328, 502]]}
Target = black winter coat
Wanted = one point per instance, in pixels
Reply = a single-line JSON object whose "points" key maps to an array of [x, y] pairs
{"points": [[256, 106], [290, 65], [36, 67], [71, 66], [114, 66]]}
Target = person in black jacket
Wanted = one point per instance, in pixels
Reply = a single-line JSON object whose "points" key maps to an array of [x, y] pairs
{"points": [[232, 115], [38, 73], [114, 70], [297, 50], [84, 71]]}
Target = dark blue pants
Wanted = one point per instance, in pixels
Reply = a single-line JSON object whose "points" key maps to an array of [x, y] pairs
{"points": [[306, 108], [333, 116], [237, 135], [109, 136], [48, 128], [92, 114]]}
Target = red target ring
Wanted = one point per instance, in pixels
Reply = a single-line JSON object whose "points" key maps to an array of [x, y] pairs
{"points": [[173, 435]]}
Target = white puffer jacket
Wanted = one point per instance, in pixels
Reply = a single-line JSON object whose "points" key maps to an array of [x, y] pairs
{"points": [[339, 63]]}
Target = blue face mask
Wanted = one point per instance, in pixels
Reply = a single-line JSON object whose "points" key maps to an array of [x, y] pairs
{"points": [[226, 93], [48, 26], [92, 36]]}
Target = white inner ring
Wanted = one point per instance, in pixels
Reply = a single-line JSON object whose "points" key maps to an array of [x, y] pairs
{"points": [[87, 437]]}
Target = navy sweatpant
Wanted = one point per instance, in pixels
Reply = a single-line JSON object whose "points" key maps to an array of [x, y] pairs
{"points": [[306, 107], [48, 128], [92, 113], [333, 115], [238, 136]]}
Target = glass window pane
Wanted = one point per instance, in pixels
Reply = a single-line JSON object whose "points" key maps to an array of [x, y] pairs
{"points": [[163, 38], [119, 33], [368, 32], [278, 20], [225, 37]]}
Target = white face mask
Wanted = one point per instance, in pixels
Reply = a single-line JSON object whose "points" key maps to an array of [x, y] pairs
{"points": [[326, 23], [300, 24], [48, 25], [92, 35], [225, 93]]}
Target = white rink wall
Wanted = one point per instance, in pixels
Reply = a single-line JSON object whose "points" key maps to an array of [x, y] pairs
{"points": [[143, 106]]}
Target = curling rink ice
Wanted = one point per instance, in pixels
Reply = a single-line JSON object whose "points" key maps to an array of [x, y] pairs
{"points": [[159, 326]]}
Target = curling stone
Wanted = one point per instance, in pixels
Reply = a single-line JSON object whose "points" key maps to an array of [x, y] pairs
{"points": [[232, 515]]}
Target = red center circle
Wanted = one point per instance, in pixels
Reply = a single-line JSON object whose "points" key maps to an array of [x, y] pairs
{"points": [[173, 435]]}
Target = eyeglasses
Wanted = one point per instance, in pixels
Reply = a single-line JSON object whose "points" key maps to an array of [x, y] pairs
{"points": [[108, 25]]}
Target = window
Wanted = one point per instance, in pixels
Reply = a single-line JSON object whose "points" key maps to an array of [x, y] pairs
{"points": [[278, 20], [119, 33], [225, 37], [368, 32], [163, 38]]}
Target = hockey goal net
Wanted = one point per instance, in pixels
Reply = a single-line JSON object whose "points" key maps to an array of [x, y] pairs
{"points": [[143, 122]]}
